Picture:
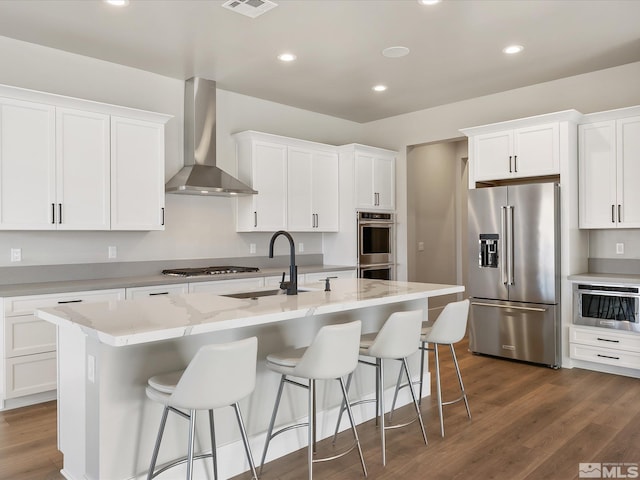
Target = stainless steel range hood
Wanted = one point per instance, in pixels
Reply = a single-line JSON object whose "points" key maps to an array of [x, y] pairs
{"points": [[200, 175]]}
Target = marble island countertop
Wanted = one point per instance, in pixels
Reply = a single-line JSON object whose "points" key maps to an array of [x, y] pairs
{"points": [[129, 322]]}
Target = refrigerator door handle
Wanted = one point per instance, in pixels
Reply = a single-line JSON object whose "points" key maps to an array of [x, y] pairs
{"points": [[530, 309], [503, 231], [511, 276]]}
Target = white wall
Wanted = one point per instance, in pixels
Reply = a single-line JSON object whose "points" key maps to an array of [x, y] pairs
{"points": [[196, 227], [593, 92]]}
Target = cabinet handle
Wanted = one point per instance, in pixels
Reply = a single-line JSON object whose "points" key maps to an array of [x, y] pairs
{"points": [[158, 293], [162, 209], [510, 170], [317, 221], [255, 219], [619, 213], [69, 301], [53, 213], [608, 340], [515, 163], [613, 214], [609, 356], [59, 213]]}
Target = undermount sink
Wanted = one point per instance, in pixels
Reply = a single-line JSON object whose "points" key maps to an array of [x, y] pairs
{"points": [[261, 293]]}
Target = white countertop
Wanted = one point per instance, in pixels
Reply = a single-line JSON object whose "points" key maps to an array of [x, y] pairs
{"points": [[150, 319], [616, 278]]}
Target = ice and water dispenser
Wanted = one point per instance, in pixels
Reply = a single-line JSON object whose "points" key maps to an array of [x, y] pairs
{"points": [[488, 256]]}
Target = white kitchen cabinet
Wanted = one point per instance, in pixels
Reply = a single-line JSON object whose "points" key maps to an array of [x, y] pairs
{"points": [[72, 164], [523, 152], [263, 166], [27, 165], [312, 186], [157, 290], [375, 179], [320, 276], [29, 345], [137, 174], [220, 287], [604, 346], [609, 166]]}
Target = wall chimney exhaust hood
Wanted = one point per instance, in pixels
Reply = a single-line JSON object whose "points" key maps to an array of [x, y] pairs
{"points": [[200, 175]]}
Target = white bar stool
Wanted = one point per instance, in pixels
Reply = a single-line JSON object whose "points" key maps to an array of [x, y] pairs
{"points": [[397, 340], [207, 383], [332, 355], [449, 328]]}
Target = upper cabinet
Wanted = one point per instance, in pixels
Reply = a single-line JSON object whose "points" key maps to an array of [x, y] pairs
{"points": [[609, 166], [70, 164], [297, 184], [529, 147]]}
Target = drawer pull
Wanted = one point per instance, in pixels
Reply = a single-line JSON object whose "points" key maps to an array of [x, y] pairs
{"points": [[69, 301], [608, 340], [609, 356], [159, 293]]}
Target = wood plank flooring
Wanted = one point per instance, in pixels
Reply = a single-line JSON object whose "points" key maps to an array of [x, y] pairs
{"points": [[529, 423]]}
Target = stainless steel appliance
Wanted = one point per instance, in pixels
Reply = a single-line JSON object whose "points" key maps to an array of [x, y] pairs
{"points": [[514, 246], [608, 306], [376, 245], [201, 271]]}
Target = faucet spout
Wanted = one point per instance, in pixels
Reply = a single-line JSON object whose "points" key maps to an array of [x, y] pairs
{"points": [[292, 285]]}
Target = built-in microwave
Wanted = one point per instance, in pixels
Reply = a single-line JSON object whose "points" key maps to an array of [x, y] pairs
{"points": [[376, 238], [608, 306]]}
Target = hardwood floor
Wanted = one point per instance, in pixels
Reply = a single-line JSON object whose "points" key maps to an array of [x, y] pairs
{"points": [[529, 423]]}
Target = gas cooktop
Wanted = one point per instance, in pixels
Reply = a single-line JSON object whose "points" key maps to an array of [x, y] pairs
{"points": [[200, 271]]}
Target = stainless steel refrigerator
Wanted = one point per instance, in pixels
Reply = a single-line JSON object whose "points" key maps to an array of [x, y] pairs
{"points": [[514, 252]]}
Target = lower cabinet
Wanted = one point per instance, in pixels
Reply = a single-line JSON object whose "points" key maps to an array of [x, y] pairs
{"points": [[616, 348], [157, 290], [227, 286]]}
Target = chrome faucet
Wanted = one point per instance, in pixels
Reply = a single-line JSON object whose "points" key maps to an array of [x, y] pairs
{"points": [[292, 285]]}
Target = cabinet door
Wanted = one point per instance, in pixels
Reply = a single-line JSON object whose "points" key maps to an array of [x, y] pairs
{"points": [[325, 191], [628, 153], [365, 197], [82, 170], [492, 155], [384, 182], [157, 290], [597, 175], [27, 165], [300, 188], [270, 180], [30, 374], [137, 175], [26, 335], [536, 151]]}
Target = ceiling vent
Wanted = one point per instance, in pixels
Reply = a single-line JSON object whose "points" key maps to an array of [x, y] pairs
{"points": [[250, 8]]}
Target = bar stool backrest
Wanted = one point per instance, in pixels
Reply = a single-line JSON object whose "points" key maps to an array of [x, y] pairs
{"points": [[333, 352], [399, 337], [451, 325], [218, 375]]}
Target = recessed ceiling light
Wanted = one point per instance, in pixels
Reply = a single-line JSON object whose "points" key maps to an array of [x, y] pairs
{"points": [[428, 2], [395, 52], [286, 57], [117, 3], [511, 49], [379, 88]]}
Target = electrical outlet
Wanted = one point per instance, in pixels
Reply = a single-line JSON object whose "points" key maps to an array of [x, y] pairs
{"points": [[16, 254], [252, 248], [113, 252], [620, 248], [301, 247], [420, 246]]}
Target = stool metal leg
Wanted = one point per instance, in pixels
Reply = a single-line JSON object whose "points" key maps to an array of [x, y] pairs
{"points": [[342, 407], [192, 434], [464, 394], [380, 397], [353, 424], [415, 401], [423, 348], [439, 388], [245, 440], [214, 451], [272, 422], [156, 448], [312, 432]]}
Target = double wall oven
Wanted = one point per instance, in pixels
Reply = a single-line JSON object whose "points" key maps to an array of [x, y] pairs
{"points": [[376, 245]]}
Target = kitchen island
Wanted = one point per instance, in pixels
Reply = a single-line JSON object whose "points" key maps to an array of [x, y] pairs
{"points": [[108, 350]]}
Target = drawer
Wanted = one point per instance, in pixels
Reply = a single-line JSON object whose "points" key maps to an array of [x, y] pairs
{"points": [[26, 335], [140, 292], [30, 374], [604, 355], [25, 305], [227, 286], [606, 338], [320, 276]]}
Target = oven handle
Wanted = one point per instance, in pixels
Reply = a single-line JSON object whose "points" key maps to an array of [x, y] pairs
{"points": [[607, 294]]}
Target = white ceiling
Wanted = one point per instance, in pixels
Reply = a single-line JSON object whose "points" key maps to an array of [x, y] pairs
{"points": [[456, 46]]}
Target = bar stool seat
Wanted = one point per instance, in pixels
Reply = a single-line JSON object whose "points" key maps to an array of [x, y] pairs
{"points": [[207, 383], [332, 355], [397, 339]]}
